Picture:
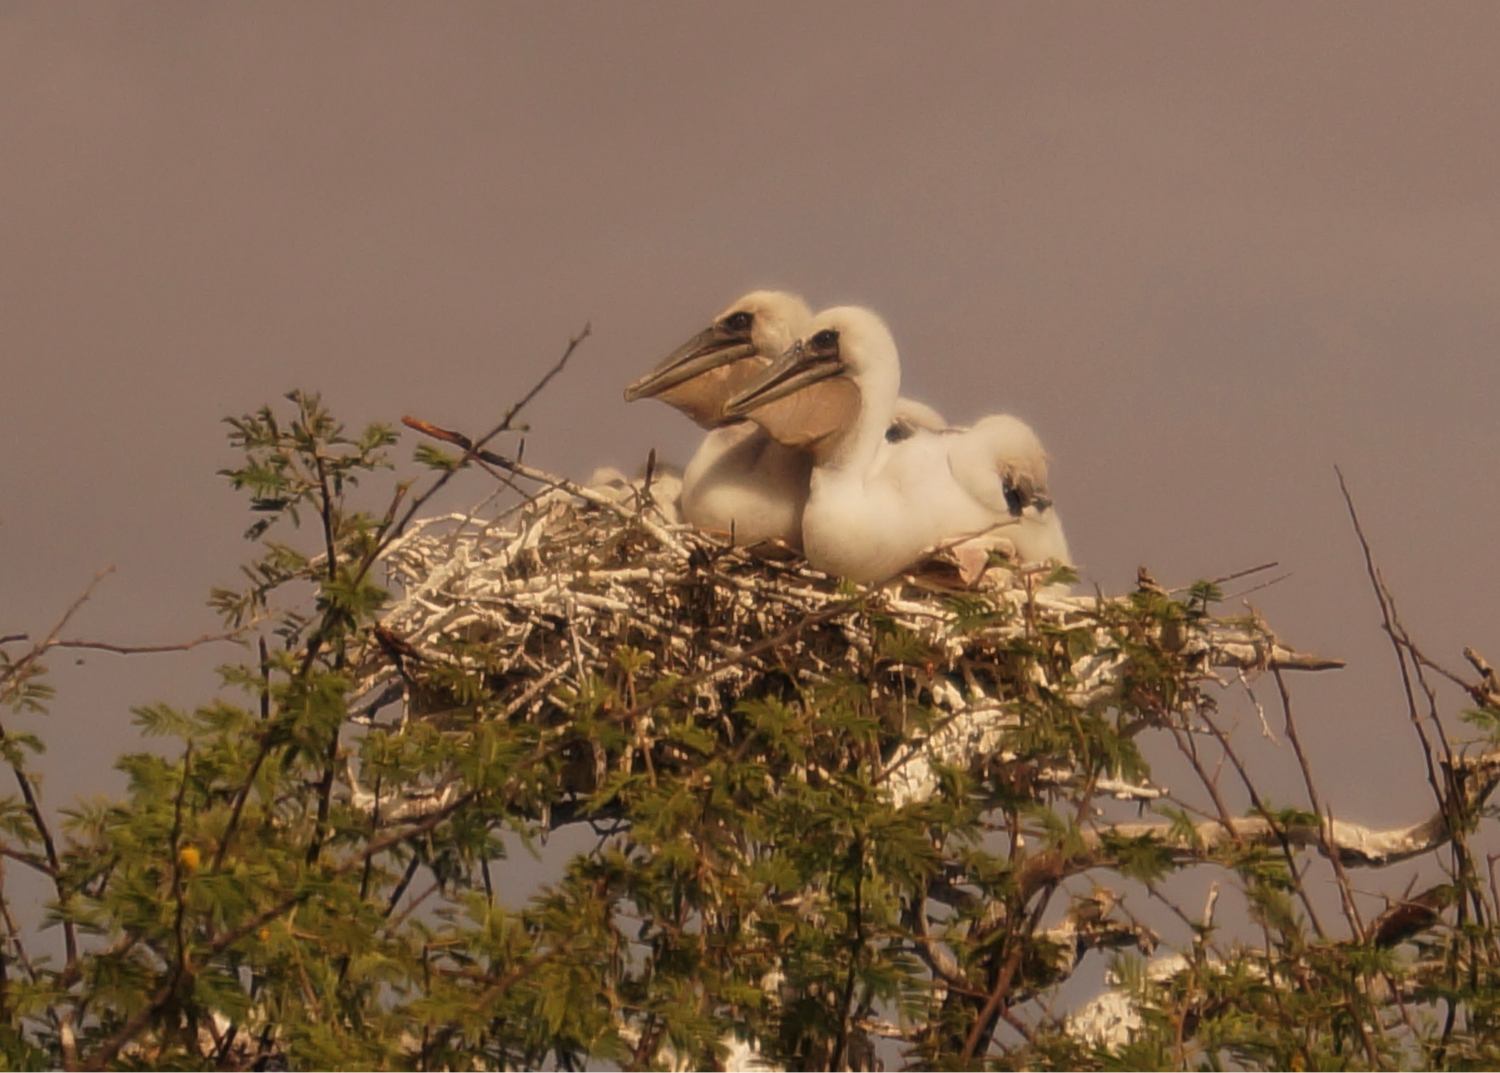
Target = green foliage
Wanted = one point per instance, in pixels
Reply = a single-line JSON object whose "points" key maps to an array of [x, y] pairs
{"points": [[297, 879]]}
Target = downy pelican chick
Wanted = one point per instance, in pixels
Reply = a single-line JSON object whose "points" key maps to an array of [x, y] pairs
{"points": [[655, 485], [741, 481], [874, 506]]}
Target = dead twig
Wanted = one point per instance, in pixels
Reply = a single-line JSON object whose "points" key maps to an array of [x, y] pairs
{"points": [[145, 650]]}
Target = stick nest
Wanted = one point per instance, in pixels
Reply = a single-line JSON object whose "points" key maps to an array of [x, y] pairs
{"points": [[578, 586]]}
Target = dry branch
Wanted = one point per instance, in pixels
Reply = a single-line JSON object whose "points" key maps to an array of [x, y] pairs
{"points": [[1355, 845]]}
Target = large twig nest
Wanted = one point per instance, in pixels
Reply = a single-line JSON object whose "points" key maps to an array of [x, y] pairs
{"points": [[551, 590]]}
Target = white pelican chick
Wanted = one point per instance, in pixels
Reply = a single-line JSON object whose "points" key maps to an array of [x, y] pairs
{"points": [[741, 480], [875, 507]]}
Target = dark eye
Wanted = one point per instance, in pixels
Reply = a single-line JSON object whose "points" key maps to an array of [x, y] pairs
{"points": [[738, 322], [827, 339]]}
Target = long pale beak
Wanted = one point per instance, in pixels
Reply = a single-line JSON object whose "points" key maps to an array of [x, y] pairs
{"points": [[710, 349], [790, 373]]}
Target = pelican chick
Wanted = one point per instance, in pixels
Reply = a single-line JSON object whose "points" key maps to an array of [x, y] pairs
{"points": [[875, 507], [655, 485], [741, 480]]}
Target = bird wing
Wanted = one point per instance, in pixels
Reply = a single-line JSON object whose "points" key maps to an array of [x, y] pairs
{"points": [[910, 416], [1000, 462]]}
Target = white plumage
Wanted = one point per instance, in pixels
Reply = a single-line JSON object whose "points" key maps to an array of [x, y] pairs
{"points": [[741, 480], [875, 506]]}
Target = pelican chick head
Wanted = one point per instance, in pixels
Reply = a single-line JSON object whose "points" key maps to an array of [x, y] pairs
{"points": [[700, 375], [821, 389]]}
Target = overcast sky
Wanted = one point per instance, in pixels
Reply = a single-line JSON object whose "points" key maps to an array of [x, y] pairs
{"points": [[1207, 251]]}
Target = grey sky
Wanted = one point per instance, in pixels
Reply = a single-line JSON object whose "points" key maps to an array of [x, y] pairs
{"points": [[1206, 251]]}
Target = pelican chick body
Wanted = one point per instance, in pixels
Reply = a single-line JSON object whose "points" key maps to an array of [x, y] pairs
{"points": [[874, 506], [741, 480]]}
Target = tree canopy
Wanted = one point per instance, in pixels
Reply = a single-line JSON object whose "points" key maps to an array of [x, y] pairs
{"points": [[837, 827]]}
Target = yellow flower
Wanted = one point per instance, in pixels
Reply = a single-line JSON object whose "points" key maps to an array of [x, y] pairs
{"points": [[189, 858]]}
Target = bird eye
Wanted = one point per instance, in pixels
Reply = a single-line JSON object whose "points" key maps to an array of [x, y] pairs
{"points": [[827, 339], [738, 322]]}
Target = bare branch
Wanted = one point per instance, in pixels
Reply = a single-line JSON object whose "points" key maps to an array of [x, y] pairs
{"points": [[505, 425], [16, 668], [1346, 896], [141, 650], [1387, 614], [1355, 845]]}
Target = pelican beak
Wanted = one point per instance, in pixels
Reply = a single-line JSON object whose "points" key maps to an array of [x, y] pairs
{"points": [[712, 348], [794, 370]]}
